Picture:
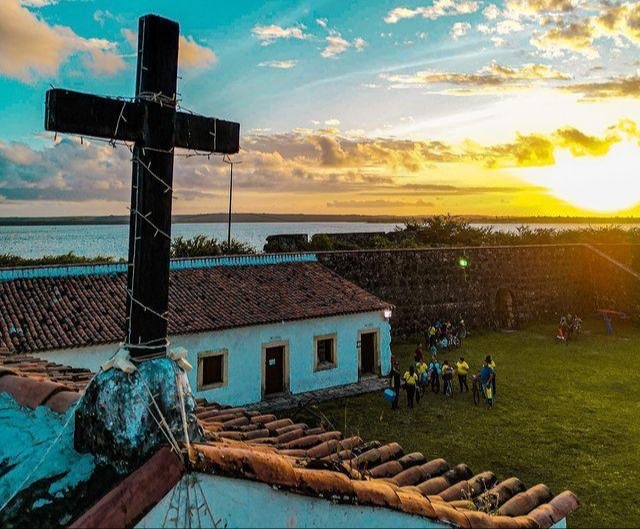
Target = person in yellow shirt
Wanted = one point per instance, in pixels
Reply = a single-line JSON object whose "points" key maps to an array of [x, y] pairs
{"points": [[462, 368], [421, 371], [492, 365], [410, 381]]}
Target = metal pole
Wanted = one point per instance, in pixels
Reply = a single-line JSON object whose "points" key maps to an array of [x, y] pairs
{"points": [[230, 195], [226, 159]]}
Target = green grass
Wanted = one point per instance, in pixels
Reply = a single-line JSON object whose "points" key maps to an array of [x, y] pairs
{"points": [[566, 416]]}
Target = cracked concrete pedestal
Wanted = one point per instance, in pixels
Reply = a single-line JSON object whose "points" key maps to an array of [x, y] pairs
{"points": [[117, 420]]}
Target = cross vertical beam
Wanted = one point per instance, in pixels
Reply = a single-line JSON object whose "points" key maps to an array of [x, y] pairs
{"points": [[156, 128], [125, 432], [150, 222]]}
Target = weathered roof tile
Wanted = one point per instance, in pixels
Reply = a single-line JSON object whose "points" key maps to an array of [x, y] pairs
{"points": [[218, 297], [408, 483], [29, 391]]}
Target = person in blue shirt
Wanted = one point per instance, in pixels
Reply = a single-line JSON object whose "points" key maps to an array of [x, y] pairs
{"points": [[486, 377], [434, 371]]}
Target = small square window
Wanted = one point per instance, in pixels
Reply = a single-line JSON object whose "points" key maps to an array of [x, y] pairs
{"points": [[212, 370], [325, 352]]}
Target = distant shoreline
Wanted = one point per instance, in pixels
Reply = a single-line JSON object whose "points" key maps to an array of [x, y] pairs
{"points": [[302, 218]]}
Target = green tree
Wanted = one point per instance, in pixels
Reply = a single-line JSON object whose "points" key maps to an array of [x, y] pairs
{"points": [[203, 246]]}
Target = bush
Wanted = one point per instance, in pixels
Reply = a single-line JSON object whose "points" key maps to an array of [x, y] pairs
{"points": [[9, 261], [203, 246]]}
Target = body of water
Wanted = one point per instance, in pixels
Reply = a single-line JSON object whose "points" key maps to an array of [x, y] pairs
{"points": [[112, 240]]}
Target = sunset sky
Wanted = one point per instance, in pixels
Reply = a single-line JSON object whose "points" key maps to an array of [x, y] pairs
{"points": [[514, 107]]}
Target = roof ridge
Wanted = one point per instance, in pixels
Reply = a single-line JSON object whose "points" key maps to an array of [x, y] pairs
{"points": [[352, 471], [73, 270]]}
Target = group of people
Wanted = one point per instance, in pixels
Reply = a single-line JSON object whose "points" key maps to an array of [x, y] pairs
{"points": [[422, 376], [444, 336], [569, 326]]}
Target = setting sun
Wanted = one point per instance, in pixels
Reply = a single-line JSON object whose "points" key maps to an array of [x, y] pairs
{"points": [[601, 184]]}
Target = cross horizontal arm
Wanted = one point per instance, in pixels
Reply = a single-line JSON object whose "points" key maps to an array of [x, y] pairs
{"points": [[89, 115], [207, 134], [103, 117]]}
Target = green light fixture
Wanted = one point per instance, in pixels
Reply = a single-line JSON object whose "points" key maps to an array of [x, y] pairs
{"points": [[463, 262]]}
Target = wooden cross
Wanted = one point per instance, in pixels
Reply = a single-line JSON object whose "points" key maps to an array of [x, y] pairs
{"points": [[153, 124]]}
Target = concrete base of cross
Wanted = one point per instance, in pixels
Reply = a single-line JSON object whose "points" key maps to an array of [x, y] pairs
{"points": [[122, 415]]}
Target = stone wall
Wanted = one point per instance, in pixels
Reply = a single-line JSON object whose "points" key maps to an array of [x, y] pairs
{"points": [[613, 287], [502, 287]]}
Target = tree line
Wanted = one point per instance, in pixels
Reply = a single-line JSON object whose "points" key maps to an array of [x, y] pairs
{"points": [[438, 230]]}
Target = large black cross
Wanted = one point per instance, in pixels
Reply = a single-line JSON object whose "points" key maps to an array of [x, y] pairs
{"points": [[153, 124]]}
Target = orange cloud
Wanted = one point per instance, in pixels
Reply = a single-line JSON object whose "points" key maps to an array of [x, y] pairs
{"points": [[620, 87], [493, 75], [192, 55], [613, 20], [540, 6], [31, 48]]}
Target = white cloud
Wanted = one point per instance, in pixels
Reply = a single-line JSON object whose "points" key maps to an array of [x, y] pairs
{"points": [[491, 12], [279, 64], [333, 122], [269, 34], [459, 29], [360, 44], [504, 27], [335, 46], [499, 42], [102, 16], [321, 22], [440, 8], [38, 3]]}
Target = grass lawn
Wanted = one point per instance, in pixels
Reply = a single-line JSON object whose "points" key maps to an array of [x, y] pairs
{"points": [[566, 416]]}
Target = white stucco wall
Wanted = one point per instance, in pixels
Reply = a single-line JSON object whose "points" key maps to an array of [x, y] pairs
{"points": [[243, 503], [245, 354], [88, 357]]}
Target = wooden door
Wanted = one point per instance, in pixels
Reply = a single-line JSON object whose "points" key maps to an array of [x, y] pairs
{"points": [[274, 370], [504, 309], [368, 352]]}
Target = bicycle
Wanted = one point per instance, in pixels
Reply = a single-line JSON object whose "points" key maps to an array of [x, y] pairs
{"points": [[447, 390], [422, 386], [476, 388], [434, 381]]}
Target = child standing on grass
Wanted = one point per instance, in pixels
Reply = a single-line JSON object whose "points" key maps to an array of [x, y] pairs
{"points": [[395, 383], [492, 365], [486, 377], [447, 377], [463, 369], [410, 382]]}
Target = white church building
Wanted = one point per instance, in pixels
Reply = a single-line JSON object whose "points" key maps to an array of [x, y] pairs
{"points": [[253, 326]]}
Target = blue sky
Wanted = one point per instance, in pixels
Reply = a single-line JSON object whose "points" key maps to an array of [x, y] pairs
{"points": [[414, 107]]}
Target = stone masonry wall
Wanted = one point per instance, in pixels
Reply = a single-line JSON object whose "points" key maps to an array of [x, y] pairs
{"points": [[500, 287], [614, 288]]}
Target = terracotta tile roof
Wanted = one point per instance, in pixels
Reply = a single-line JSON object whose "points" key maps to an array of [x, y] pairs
{"points": [[306, 460], [44, 313], [278, 452], [36, 382]]}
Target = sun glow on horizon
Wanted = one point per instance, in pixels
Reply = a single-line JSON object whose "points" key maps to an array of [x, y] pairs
{"points": [[602, 184]]}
